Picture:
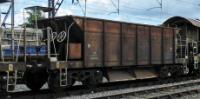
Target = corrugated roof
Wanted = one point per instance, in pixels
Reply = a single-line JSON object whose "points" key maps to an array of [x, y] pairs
{"points": [[195, 22]]}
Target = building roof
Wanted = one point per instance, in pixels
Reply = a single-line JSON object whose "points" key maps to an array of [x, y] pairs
{"points": [[176, 19], [44, 9]]}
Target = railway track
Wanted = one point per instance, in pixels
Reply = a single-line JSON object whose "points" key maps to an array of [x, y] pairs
{"points": [[156, 91], [138, 90]]}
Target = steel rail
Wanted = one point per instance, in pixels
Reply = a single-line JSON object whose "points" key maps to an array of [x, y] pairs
{"points": [[126, 91], [112, 91]]}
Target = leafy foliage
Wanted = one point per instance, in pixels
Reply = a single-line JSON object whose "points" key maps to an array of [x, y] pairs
{"points": [[33, 16]]}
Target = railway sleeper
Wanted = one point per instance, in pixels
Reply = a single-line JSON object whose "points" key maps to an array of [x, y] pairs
{"points": [[3, 81]]}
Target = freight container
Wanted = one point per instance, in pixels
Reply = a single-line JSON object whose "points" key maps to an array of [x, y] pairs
{"points": [[106, 43]]}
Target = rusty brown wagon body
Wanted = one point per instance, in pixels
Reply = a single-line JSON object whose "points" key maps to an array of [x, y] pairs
{"points": [[111, 44]]}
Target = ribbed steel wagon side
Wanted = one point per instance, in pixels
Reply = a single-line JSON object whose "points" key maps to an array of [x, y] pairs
{"points": [[114, 50]]}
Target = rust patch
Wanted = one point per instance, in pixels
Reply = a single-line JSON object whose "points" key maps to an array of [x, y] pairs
{"points": [[75, 51]]}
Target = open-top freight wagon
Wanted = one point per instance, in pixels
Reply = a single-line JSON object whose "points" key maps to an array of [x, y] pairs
{"points": [[95, 51]]}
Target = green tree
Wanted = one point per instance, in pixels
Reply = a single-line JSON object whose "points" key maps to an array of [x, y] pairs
{"points": [[33, 16]]}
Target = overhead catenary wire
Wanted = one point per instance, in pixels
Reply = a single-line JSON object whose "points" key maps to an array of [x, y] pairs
{"points": [[125, 7], [115, 6], [94, 10]]}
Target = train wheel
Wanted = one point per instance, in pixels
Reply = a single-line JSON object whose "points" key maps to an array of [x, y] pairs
{"points": [[35, 76], [71, 79], [54, 81], [94, 79], [165, 72], [98, 77], [35, 81], [197, 72], [3, 81]]}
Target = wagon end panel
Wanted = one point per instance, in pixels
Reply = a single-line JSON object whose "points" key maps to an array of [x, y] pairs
{"points": [[168, 46]]}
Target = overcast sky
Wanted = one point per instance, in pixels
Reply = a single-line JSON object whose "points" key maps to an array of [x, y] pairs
{"points": [[138, 11]]}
